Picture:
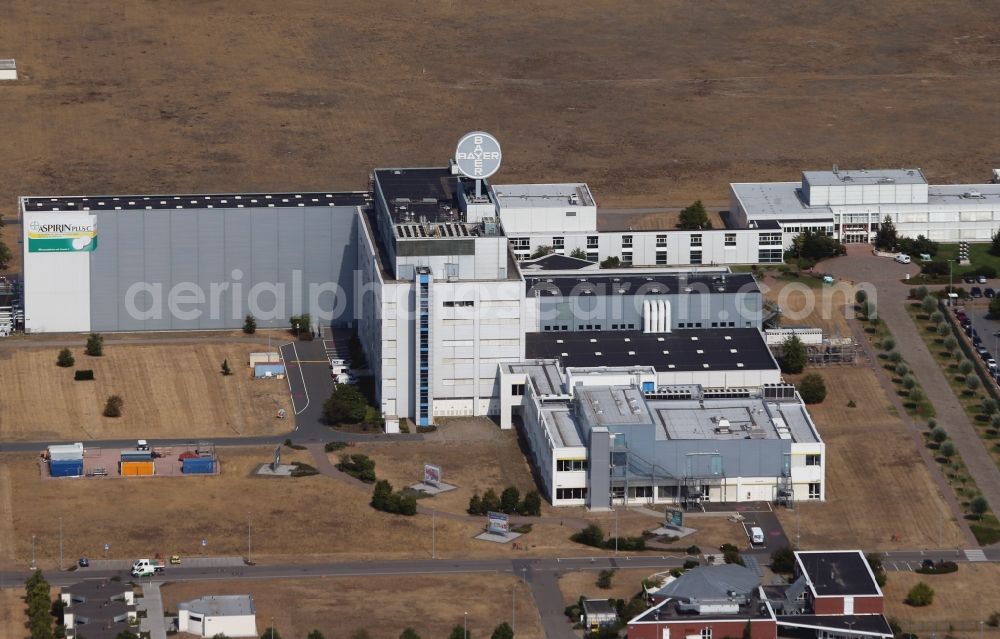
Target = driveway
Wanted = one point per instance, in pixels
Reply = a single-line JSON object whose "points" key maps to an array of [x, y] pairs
{"points": [[860, 266]]}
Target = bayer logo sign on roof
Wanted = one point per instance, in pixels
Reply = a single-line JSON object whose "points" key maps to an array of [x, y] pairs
{"points": [[478, 155]]}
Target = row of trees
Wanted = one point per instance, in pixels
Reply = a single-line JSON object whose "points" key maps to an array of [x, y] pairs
{"points": [[386, 500], [38, 597], [508, 502]]}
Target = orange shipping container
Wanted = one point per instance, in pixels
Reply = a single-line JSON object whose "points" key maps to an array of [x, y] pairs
{"points": [[136, 468]]}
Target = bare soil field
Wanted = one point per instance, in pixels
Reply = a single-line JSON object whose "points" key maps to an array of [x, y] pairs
{"points": [[962, 597], [625, 584], [383, 605], [12, 614], [818, 307], [169, 391], [880, 495], [648, 102]]}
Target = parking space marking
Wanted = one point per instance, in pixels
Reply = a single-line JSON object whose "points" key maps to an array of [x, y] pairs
{"points": [[302, 376]]}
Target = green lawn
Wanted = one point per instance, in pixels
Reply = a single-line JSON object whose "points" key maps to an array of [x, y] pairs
{"points": [[978, 254]]}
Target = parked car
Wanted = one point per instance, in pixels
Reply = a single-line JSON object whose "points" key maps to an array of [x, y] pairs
{"points": [[981, 279], [902, 258], [969, 279], [83, 562], [961, 316], [989, 292], [983, 353], [976, 292], [991, 364], [976, 341]]}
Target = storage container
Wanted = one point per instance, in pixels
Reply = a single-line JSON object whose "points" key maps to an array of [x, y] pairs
{"points": [[136, 468], [66, 451], [198, 465], [66, 468]]}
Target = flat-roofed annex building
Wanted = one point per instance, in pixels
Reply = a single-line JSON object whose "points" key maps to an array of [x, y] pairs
{"points": [[604, 435]]}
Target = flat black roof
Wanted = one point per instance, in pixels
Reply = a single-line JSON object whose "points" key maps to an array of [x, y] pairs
{"points": [[872, 624], [437, 184], [683, 350], [639, 284], [555, 262], [204, 201], [838, 573]]}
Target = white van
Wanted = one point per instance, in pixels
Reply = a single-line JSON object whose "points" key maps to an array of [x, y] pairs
{"points": [[902, 258], [756, 535]]}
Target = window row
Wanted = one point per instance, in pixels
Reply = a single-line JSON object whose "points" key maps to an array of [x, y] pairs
{"points": [[569, 465], [571, 493]]}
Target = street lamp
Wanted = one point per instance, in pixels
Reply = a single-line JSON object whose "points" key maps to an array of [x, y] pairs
{"points": [[33, 565], [466, 625], [513, 614], [248, 538]]}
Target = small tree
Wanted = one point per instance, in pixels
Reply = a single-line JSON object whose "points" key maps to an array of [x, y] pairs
{"points": [[458, 632], [937, 317], [989, 406], [920, 595], [916, 395], [902, 369], [225, 368], [611, 262], [271, 633], [888, 344], [382, 496], [113, 407], [909, 382], [315, 634], [503, 631], [885, 236], [249, 325], [875, 563], [972, 383], [65, 358], [978, 505], [490, 501], [592, 535], [812, 388], [919, 292], [532, 505], [409, 633], [939, 434], [949, 343], [542, 251], [783, 560], [793, 355], [995, 422], [895, 357], [346, 405], [965, 367], [604, 579], [578, 253], [95, 345], [943, 330], [695, 217], [510, 498], [947, 450], [995, 246], [476, 505], [860, 296], [928, 304]]}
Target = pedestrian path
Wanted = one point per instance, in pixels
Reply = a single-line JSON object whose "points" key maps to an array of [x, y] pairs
{"points": [[976, 555], [152, 603], [188, 562]]}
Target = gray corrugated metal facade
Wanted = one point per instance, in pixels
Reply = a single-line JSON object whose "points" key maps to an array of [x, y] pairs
{"points": [[199, 260]]}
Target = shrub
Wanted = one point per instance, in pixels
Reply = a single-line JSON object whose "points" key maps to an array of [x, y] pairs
{"points": [[225, 370], [994, 619], [84, 375], [490, 501], [919, 292], [95, 345], [928, 303], [888, 343], [332, 447], [812, 388], [943, 330], [542, 251], [249, 325], [113, 407], [692, 550], [938, 568], [972, 383], [994, 307], [690, 563], [939, 434], [358, 466], [852, 404], [989, 406], [604, 579], [611, 262], [408, 633], [503, 631], [592, 535], [902, 369], [995, 422], [909, 382], [965, 367], [915, 395], [270, 633], [783, 560], [301, 469], [931, 424], [895, 357], [65, 358], [920, 595], [475, 505], [949, 343], [860, 296]]}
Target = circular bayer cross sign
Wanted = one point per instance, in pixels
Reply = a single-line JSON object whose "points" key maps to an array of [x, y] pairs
{"points": [[478, 155]]}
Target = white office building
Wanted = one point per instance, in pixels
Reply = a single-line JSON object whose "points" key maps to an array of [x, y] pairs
{"points": [[227, 615], [850, 205]]}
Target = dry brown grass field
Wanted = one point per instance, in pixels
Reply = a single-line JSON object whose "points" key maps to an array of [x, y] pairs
{"points": [[877, 485], [969, 595], [624, 584], [383, 605], [818, 307], [12, 616], [169, 391], [648, 102]]}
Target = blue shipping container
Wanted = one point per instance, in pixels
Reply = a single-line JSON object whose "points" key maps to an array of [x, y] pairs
{"points": [[66, 468], [198, 465]]}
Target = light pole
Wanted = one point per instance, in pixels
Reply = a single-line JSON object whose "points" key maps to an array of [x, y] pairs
{"points": [[248, 537], [616, 530], [33, 565], [60, 544], [466, 625], [513, 617], [433, 534]]}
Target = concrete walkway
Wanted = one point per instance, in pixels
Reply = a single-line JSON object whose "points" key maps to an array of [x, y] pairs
{"points": [[861, 266], [152, 603]]}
